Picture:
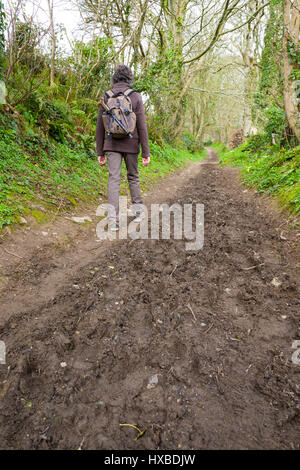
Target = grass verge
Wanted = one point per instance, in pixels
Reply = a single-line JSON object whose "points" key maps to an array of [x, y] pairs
{"points": [[40, 178], [272, 170]]}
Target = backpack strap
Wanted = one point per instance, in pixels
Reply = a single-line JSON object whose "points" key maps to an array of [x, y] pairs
{"points": [[129, 92], [108, 94]]}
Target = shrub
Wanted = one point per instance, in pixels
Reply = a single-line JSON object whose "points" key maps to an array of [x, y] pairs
{"points": [[191, 143], [255, 143]]}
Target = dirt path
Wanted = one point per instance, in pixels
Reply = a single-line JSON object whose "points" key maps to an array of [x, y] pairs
{"points": [[86, 325]]}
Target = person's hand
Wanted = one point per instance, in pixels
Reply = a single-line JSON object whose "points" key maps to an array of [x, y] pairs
{"points": [[102, 160], [146, 161]]}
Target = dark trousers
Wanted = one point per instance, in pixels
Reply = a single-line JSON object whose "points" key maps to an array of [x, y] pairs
{"points": [[114, 164]]}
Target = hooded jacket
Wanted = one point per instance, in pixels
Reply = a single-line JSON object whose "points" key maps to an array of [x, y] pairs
{"points": [[140, 134]]}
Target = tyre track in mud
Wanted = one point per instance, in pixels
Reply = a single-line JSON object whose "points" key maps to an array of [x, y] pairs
{"points": [[215, 327]]}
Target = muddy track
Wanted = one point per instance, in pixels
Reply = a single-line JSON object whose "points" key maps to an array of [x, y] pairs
{"points": [[215, 328]]}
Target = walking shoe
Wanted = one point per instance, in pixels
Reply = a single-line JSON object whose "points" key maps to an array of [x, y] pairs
{"points": [[131, 212], [113, 226], [139, 218], [137, 213]]}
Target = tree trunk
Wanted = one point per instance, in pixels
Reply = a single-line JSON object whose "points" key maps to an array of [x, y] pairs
{"points": [[53, 43], [291, 36], [199, 136]]}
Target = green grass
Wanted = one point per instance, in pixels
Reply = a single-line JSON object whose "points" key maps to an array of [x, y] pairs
{"points": [[39, 176], [165, 160], [271, 170]]}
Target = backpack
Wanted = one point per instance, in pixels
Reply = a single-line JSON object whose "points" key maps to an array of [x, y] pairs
{"points": [[118, 117]]}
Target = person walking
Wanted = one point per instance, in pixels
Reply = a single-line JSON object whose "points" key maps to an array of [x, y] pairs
{"points": [[120, 132]]}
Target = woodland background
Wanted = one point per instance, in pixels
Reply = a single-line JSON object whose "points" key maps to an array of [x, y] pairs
{"points": [[222, 73]]}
